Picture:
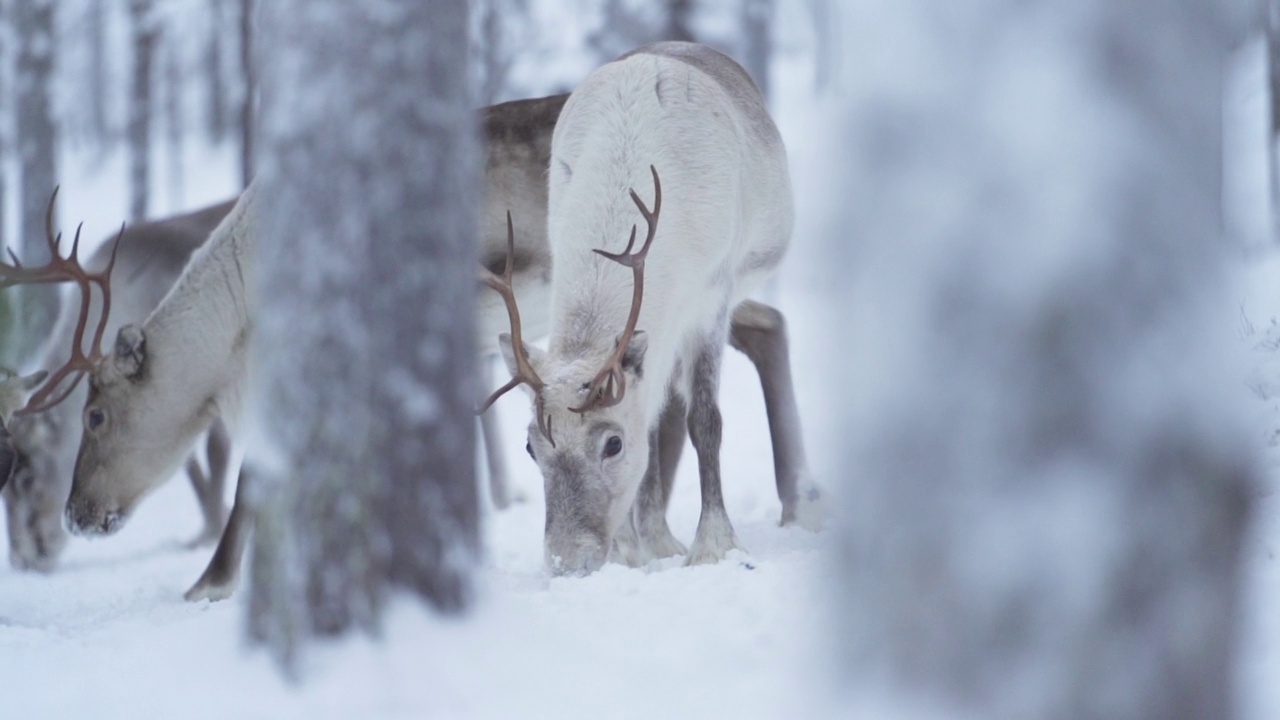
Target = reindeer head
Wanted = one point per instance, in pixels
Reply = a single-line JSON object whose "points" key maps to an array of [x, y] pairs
{"points": [[588, 436], [104, 368], [130, 444], [14, 393], [33, 509], [37, 492]]}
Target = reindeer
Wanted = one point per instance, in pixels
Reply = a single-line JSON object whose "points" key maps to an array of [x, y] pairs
{"points": [[45, 444], [629, 362], [142, 411], [169, 377], [15, 390]]}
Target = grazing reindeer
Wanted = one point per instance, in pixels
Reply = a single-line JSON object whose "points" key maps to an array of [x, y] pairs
{"points": [[637, 335], [150, 258], [170, 376], [14, 393]]}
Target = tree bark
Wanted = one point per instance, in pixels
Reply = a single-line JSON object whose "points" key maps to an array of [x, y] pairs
{"points": [[215, 77], [144, 33], [100, 75], [173, 121], [679, 15], [757, 31], [36, 140], [249, 76], [370, 185], [1048, 491], [1273, 136]]}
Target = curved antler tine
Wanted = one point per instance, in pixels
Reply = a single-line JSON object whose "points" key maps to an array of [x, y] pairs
{"points": [[75, 244], [511, 250], [504, 287], [544, 422], [624, 257], [609, 386], [488, 403], [48, 221], [103, 280], [36, 404]]}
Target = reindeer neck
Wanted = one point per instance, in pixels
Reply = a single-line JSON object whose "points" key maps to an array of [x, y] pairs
{"points": [[198, 336]]}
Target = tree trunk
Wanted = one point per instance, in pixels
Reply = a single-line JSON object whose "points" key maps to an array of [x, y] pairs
{"points": [[36, 139], [173, 125], [1048, 490], [679, 15], [143, 33], [215, 78], [1273, 136], [100, 75], [8, 311], [249, 76], [757, 31], [367, 276]]}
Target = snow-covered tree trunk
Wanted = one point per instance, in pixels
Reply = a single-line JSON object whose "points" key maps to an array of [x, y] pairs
{"points": [[173, 120], [491, 20], [757, 35], [369, 182], [679, 19], [6, 116], [1272, 29], [8, 309], [36, 141], [1048, 480], [214, 75], [143, 34], [249, 89], [99, 74]]}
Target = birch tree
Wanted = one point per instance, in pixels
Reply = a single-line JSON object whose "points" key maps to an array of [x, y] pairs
{"points": [[36, 141], [1048, 478], [369, 182], [144, 35]]}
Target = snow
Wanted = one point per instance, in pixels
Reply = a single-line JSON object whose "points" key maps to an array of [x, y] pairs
{"points": [[108, 635]]}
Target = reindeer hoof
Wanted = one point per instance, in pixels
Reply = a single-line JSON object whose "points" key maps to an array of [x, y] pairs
{"points": [[211, 590], [207, 537], [662, 544], [809, 511], [714, 540]]}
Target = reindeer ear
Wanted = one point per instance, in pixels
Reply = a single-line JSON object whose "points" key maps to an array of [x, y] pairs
{"points": [[33, 380], [633, 358], [535, 355], [131, 351]]}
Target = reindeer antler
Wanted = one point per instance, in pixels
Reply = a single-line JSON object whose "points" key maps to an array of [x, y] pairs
{"points": [[68, 269], [610, 384], [524, 369]]}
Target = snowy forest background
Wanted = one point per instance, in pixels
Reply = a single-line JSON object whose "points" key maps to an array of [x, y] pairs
{"points": [[1033, 298]]}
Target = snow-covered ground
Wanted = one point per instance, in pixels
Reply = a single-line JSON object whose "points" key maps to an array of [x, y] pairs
{"points": [[108, 635]]}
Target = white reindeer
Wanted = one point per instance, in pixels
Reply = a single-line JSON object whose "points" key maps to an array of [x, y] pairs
{"points": [[143, 411], [169, 377], [637, 334], [150, 257]]}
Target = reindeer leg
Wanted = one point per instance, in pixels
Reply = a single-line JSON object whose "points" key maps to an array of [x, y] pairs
{"points": [[715, 536], [650, 510], [499, 484], [211, 489], [200, 485], [760, 332], [223, 573], [500, 491]]}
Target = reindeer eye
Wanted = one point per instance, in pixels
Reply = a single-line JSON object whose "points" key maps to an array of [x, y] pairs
{"points": [[612, 446], [93, 418], [528, 447]]}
